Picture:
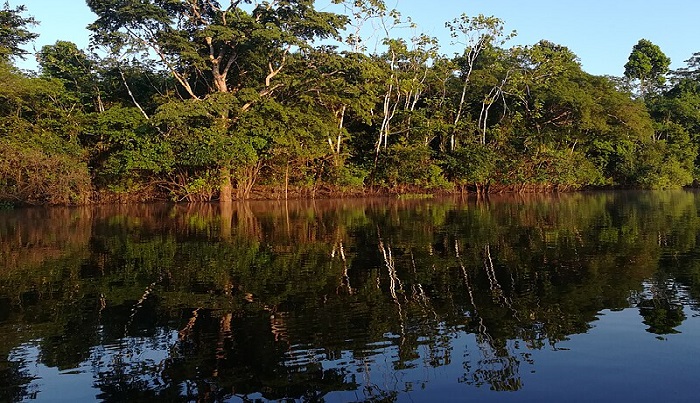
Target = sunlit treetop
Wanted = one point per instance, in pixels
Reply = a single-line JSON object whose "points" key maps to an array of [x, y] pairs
{"points": [[648, 64], [14, 32]]}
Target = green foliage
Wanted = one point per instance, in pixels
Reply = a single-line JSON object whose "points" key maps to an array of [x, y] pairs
{"points": [[64, 61], [41, 161], [14, 32], [648, 64], [192, 186], [471, 164], [129, 151], [409, 166], [192, 100], [657, 167], [347, 176], [566, 170], [45, 170]]}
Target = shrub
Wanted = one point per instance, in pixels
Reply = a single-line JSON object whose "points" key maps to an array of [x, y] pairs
{"points": [[410, 166], [31, 175]]}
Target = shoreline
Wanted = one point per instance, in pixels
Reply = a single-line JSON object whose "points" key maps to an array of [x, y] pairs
{"points": [[100, 198]]}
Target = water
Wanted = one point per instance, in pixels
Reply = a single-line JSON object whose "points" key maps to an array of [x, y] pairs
{"points": [[575, 297]]}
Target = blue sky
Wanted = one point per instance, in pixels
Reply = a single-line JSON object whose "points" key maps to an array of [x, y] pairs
{"points": [[600, 32]]}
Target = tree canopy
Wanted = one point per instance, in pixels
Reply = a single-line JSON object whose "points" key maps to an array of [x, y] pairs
{"points": [[206, 100], [648, 64], [14, 31]]}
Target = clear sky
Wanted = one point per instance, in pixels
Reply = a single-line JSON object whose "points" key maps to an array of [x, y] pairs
{"points": [[600, 32]]}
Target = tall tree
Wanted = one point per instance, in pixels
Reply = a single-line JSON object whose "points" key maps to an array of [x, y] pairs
{"points": [[14, 32], [63, 60], [648, 64], [476, 34], [209, 48]]}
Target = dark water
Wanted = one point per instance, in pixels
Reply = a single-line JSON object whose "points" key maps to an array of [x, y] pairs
{"points": [[577, 297]]}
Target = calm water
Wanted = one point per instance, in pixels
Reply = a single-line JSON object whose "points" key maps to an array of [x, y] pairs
{"points": [[577, 297]]}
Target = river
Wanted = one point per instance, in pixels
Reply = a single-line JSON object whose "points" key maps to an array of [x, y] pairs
{"points": [[564, 297]]}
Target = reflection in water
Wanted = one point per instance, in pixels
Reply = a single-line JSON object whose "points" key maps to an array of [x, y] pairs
{"points": [[372, 300], [662, 310]]}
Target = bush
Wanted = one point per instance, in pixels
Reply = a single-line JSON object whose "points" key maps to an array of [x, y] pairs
{"points": [[471, 164], [657, 167], [410, 166], [347, 176], [30, 175]]}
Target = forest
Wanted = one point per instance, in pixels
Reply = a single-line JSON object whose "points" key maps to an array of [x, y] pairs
{"points": [[201, 100]]}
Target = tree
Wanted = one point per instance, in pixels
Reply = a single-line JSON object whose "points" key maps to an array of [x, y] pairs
{"points": [[476, 34], [66, 62], [14, 32], [209, 48], [676, 113], [40, 160], [648, 64]]}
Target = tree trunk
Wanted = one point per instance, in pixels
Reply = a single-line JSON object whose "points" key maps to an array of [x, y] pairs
{"points": [[219, 79], [225, 187], [340, 136]]}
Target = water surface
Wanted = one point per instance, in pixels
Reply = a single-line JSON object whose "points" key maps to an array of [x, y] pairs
{"points": [[575, 297]]}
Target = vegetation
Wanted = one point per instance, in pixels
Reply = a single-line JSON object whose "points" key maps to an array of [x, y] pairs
{"points": [[199, 100]]}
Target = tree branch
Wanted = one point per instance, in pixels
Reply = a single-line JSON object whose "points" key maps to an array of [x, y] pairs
{"points": [[128, 89]]}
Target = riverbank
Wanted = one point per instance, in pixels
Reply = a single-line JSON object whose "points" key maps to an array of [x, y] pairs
{"points": [[153, 194]]}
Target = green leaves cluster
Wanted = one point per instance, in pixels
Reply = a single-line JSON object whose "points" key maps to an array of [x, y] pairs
{"points": [[14, 32], [648, 64]]}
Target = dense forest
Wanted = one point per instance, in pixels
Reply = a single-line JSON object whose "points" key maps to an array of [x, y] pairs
{"points": [[197, 100]]}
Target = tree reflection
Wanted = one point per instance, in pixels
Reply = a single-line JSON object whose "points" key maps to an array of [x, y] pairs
{"points": [[302, 300], [663, 311], [14, 381], [661, 316]]}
